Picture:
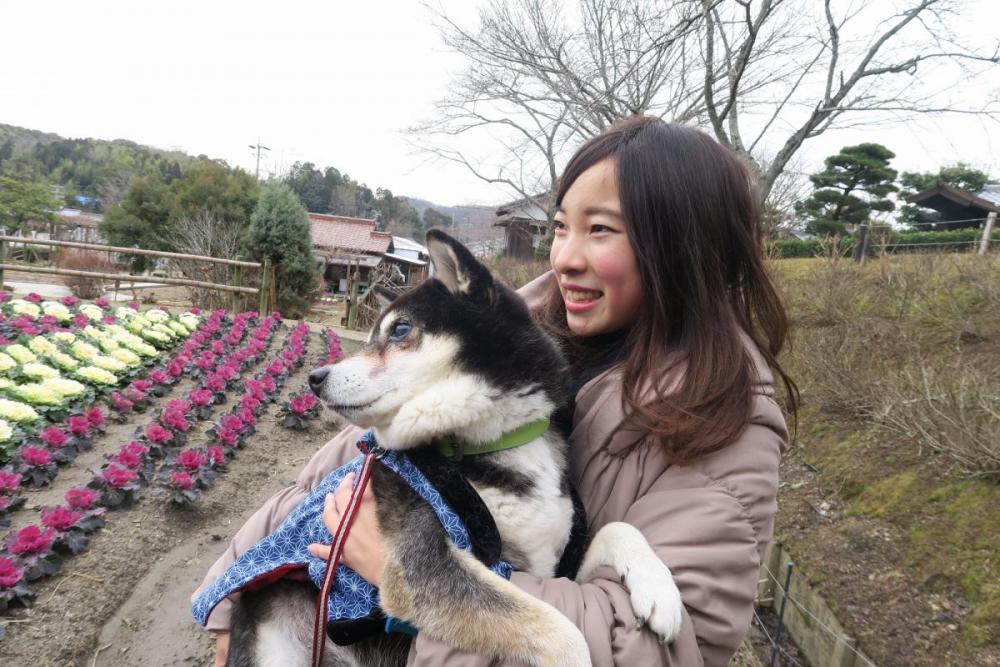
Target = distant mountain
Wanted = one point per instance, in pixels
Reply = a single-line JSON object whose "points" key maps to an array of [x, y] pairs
{"points": [[22, 140], [471, 223], [96, 171]]}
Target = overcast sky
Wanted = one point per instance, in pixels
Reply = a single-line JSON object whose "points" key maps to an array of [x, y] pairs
{"points": [[334, 83]]}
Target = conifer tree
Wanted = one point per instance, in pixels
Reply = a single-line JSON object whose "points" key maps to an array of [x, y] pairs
{"points": [[279, 231], [854, 183]]}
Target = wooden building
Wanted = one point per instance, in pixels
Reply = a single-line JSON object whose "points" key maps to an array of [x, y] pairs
{"points": [[954, 208], [526, 224]]}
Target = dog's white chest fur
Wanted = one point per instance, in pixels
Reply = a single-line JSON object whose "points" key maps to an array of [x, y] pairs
{"points": [[528, 522]]}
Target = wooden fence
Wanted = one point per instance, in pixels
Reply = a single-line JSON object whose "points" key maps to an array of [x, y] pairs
{"points": [[266, 293]]}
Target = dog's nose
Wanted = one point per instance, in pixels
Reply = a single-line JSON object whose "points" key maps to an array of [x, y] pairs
{"points": [[316, 379]]}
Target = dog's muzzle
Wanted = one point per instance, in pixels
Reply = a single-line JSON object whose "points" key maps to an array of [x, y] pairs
{"points": [[316, 380]]}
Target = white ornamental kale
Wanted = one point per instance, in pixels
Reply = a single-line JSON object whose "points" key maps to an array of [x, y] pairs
{"points": [[20, 353], [96, 375], [6, 362], [56, 310], [37, 394], [16, 411], [41, 346], [37, 371], [156, 315], [65, 387], [22, 307], [83, 351], [64, 361]]}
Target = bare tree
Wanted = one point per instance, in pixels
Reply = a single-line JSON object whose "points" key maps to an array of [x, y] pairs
{"points": [[540, 81], [764, 75], [114, 187], [855, 64], [205, 234]]}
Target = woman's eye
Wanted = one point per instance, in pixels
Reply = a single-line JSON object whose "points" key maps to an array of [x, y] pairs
{"points": [[599, 228], [399, 331], [558, 225]]}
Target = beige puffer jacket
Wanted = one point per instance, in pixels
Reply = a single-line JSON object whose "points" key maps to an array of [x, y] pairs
{"points": [[710, 522]]}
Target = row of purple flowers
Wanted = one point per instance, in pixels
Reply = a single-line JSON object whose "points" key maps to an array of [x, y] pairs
{"points": [[34, 551], [301, 407], [38, 458], [122, 478]]}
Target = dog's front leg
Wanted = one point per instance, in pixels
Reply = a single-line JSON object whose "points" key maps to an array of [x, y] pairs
{"points": [[656, 601], [452, 597]]}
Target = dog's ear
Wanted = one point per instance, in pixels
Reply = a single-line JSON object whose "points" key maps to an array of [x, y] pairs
{"points": [[383, 297], [454, 265]]}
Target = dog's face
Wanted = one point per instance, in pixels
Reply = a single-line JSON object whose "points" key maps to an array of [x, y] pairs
{"points": [[458, 343]]}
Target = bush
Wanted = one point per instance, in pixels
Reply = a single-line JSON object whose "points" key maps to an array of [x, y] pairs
{"points": [[892, 242], [954, 411], [84, 260], [515, 273]]}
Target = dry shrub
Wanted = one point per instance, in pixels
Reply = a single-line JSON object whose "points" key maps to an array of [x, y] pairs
{"points": [[962, 297], [841, 369], [206, 235], [84, 260], [515, 273], [954, 411], [835, 293]]}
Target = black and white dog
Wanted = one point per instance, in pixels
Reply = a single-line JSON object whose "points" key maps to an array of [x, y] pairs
{"points": [[460, 357]]}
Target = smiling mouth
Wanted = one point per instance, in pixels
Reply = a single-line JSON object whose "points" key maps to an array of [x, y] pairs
{"points": [[582, 296]]}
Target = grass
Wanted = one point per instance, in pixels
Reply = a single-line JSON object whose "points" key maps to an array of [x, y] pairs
{"points": [[899, 367]]}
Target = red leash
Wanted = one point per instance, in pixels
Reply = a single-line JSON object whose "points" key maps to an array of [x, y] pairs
{"points": [[336, 551]]}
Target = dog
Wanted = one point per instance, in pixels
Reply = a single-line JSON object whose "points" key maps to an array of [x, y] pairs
{"points": [[460, 357]]}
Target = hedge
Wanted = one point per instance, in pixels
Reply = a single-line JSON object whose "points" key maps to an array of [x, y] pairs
{"points": [[894, 242]]}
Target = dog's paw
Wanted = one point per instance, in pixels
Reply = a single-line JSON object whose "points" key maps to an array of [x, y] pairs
{"points": [[656, 601]]}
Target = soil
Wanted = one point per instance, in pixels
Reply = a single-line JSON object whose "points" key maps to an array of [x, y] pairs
{"points": [[125, 600], [904, 606]]}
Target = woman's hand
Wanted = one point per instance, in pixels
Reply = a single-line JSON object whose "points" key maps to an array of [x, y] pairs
{"points": [[221, 648], [364, 550]]}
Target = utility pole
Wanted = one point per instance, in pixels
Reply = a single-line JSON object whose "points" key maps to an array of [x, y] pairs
{"points": [[258, 147]]}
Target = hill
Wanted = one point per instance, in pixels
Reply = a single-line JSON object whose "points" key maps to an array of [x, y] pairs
{"points": [[471, 223], [94, 173]]}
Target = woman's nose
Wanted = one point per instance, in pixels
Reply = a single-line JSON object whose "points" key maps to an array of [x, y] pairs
{"points": [[567, 255]]}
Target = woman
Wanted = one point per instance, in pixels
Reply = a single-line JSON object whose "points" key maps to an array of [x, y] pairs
{"points": [[673, 327]]}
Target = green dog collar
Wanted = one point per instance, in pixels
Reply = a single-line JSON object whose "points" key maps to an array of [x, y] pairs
{"points": [[453, 449]]}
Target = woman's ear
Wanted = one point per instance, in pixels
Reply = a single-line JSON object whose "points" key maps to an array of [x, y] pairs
{"points": [[454, 265]]}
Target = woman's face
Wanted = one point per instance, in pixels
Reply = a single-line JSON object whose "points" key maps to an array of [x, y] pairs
{"points": [[592, 257]]}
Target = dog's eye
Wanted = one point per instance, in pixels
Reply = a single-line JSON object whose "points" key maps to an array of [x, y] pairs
{"points": [[399, 331]]}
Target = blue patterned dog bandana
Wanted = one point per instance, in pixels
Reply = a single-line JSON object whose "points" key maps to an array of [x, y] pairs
{"points": [[286, 549]]}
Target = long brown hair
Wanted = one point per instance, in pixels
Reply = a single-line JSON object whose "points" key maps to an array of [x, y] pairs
{"points": [[693, 220]]}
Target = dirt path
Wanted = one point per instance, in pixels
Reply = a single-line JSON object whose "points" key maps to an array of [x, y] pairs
{"points": [[125, 600]]}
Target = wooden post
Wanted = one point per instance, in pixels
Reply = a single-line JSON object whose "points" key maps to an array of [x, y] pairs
{"points": [[3, 258], [274, 287], [265, 290], [984, 243], [861, 246], [353, 279], [237, 299]]}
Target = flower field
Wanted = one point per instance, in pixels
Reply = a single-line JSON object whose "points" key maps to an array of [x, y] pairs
{"points": [[123, 412]]}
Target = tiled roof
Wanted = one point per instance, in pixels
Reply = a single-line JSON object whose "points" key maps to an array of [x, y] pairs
{"points": [[336, 232]]}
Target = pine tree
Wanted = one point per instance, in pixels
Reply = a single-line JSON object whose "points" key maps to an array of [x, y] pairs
{"points": [[279, 231], [854, 183]]}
